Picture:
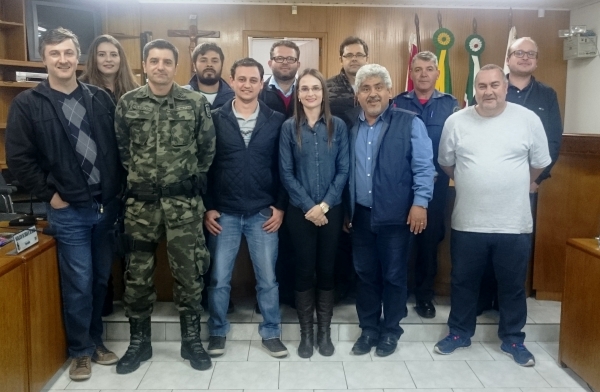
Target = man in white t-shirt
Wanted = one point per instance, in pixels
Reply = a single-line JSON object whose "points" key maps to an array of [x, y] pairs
{"points": [[493, 151]]}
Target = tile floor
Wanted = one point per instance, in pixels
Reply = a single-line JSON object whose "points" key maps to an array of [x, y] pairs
{"points": [[247, 367]]}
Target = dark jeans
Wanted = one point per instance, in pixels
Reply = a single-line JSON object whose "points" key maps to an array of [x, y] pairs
{"points": [[381, 263], [84, 258], [426, 243], [286, 261], [508, 253], [315, 247]]}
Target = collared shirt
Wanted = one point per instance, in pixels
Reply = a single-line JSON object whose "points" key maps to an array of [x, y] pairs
{"points": [[314, 171], [366, 142], [247, 125], [273, 82], [519, 96]]}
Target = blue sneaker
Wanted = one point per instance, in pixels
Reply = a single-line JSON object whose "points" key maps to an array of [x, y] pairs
{"points": [[450, 343], [519, 353]]}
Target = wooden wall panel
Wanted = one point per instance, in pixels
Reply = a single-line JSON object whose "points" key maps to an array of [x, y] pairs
{"points": [[385, 29]]}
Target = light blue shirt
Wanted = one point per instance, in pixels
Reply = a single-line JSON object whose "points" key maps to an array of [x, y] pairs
{"points": [[273, 82]]}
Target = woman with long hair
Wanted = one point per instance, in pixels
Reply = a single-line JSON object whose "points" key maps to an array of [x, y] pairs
{"points": [[107, 67], [314, 166]]}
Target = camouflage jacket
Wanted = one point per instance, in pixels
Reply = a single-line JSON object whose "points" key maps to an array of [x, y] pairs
{"points": [[165, 141], [341, 96]]}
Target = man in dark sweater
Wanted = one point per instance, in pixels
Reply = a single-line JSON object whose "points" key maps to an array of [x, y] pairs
{"points": [[245, 197], [61, 146]]}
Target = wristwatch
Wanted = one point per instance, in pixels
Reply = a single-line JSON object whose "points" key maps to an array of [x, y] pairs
{"points": [[324, 207]]}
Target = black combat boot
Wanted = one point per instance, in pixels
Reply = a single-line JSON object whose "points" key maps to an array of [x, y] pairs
{"points": [[305, 306], [139, 346], [325, 301], [191, 346]]}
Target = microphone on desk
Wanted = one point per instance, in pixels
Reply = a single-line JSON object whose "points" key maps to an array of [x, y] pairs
{"points": [[26, 220]]}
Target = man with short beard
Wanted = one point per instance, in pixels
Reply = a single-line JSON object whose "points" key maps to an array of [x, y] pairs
{"points": [[208, 63], [278, 90]]}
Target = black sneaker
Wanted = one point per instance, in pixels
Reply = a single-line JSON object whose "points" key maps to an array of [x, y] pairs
{"points": [[216, 346], [275, 347]]}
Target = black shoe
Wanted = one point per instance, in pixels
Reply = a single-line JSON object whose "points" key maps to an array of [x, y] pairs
{"points": [[363, 345], [425, 309], [275, 347], [216, 346], [386, 346], [191, 345], [305, 307], [139, 346], [257, 309]]}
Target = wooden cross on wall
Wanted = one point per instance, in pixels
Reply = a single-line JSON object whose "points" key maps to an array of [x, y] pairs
{"points": [[193, 34]]}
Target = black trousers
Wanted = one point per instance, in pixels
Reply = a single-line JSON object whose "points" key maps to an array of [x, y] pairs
{"points": [[315, 247]]}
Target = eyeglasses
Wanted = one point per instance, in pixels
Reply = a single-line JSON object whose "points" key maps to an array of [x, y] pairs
{"points": [[521, 53], [359, 56], [314, 89], [288, 60]]}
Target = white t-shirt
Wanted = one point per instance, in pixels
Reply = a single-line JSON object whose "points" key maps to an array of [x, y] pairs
{"points": [[210, 97], [492, 156]]}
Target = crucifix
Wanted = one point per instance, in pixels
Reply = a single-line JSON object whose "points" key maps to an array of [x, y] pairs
{"points": [[193, 34]]}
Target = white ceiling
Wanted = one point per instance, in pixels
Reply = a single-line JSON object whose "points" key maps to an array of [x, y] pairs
{"points": [[504, 4]]}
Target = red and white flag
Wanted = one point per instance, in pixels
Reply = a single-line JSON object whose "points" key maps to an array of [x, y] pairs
{"points": [[412, 51]]}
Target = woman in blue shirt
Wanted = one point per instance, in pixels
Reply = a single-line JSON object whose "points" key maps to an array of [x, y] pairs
{"points": [[314, 165]]}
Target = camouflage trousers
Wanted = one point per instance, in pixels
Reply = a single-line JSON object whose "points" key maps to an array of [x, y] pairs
{"points": [[187, 254]]}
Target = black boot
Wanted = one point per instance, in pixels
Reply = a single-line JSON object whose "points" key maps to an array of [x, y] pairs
{"points": [[325, 300], [191, 346], [139, 346], [305, 306]]}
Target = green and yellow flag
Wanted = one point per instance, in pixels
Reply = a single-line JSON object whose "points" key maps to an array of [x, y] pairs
{"points": [[443, 39]]}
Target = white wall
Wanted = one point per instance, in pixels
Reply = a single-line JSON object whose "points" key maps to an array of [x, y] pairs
{"points": [[582, 107]]}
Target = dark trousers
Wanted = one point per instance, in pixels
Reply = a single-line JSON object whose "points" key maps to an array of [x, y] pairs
{"points": [[286, 261], [381, 263], [315, 247], [508, 253], [426, 243]]}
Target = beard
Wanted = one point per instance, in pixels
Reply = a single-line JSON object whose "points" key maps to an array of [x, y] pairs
{"points": [[284, 76], [209, 81]]}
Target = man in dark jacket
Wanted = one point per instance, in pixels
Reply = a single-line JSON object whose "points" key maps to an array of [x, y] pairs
{"points": [[245, 197], [61, 146], [208, 63], [278, 90], [390, 186]]}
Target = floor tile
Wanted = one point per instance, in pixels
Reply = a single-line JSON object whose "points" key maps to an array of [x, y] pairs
{"points": [[443, 374], [557, 376], [235, 350], [345, 313], [422, 332], [541, 332], [551, 348], [342, 354], [136, 390], [475, 353], [486, 333], [175, 375], [106, 377], [259, 354], [555, 304], [486, 390], [349, 332], [245, 375], [534, 348], [349, 390], [312, 375], [120, 331], [406, 351], [60, 380], [544, 314], [204, 390], [412, 390], [377, 375], [502, 374], [555, 389]]}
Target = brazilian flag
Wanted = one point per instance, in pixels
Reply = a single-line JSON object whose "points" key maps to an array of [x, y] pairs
{"points": [[443, 39]]}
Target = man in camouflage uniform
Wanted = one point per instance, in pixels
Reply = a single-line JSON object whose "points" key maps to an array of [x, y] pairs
{"points": [[166, 140]]}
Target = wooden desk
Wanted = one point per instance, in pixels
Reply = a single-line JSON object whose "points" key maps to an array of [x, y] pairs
{"points": [[579, 346], [32, 339]]}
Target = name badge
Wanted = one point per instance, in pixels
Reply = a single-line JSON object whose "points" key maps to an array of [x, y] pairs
{"points": [[26, 239]]}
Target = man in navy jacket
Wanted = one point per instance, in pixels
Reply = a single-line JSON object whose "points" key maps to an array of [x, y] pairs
{"points": [[433, 107], [390, 186], [245, 197]]}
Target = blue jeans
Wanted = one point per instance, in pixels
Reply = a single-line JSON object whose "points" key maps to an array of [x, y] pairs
{"points": [[263, 253], [509, 255], [381, 263], [85, 258]]}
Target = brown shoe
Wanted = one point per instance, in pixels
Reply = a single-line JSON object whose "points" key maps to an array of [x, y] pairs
{"points": [[104, 356], [81, 368]]}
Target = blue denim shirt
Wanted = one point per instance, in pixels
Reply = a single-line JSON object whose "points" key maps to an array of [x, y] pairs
{"points": [[314, 172]]}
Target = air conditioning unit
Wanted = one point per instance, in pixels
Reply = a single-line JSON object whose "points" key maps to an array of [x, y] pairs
{"points": [[577, 47]]}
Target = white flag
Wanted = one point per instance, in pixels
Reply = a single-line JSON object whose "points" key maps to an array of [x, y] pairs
{"points": [[512, 37]]}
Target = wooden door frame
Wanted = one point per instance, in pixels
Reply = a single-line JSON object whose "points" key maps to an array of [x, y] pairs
{"points": [[322, 37]]}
